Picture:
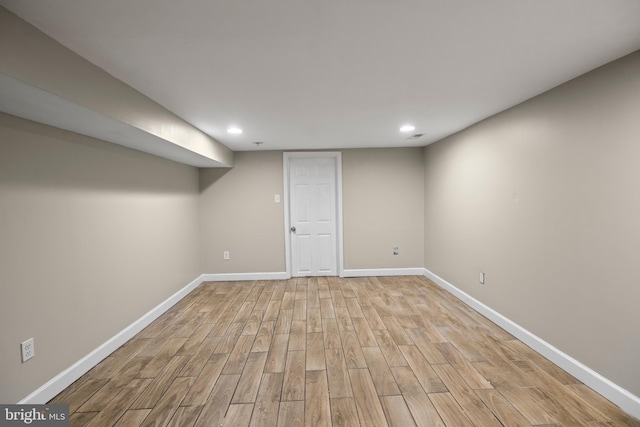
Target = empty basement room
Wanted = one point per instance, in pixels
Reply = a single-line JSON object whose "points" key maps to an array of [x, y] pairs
{"points": [[320, 213]]}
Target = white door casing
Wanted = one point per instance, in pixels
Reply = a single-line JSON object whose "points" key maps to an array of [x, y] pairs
{"points": [[313, 214]]}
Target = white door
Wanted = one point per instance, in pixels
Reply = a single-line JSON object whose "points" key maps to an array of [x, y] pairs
{"points": [[312, 216]]}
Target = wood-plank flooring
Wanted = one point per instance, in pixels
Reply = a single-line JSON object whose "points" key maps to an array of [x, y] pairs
{"points": [[392, 351]]}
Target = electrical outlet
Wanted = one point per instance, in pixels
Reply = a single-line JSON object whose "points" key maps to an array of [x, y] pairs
{"points": [[395, 250], [28, 350], [225, 255], [481, 278]]}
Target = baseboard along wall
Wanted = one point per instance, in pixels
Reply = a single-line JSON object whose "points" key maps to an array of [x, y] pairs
{"points": [[65, 378], [627, 401], [379, 272], [621, 397]]}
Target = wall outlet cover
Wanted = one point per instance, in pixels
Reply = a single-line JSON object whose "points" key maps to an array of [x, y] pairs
{"points": [[27, 349]]}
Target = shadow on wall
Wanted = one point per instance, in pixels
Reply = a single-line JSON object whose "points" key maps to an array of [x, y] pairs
{"points": [[37, 155], [209, 176]]}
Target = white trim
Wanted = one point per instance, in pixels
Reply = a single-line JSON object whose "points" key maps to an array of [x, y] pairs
{"points": [[627, 401], [339, 227], [621, 397], [233, 277], [287, 235], [65, 378], [370, 272], [339, 216]]}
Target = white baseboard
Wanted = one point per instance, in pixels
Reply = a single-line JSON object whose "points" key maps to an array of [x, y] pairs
{"points": [[621, 397], [370, 272], [64, 379], [232, 277], [627, 401]]}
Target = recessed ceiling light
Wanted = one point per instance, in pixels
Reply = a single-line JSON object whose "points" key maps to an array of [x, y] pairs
{"points": [[234, 131], [407, 128]]}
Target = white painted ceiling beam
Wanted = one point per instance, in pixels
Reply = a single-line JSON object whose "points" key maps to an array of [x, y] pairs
{"points": [[42, 80]]}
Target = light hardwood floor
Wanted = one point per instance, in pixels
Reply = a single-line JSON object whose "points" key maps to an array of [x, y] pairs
{"points": [[395, 351]]}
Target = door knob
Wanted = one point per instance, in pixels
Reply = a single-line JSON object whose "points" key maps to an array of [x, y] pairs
{"points": [[293, 229]]}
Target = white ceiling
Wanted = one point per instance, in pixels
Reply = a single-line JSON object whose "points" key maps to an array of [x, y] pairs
{"points": [[312, 74]]}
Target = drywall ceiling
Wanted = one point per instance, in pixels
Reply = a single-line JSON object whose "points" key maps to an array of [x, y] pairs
{"points": [[309, 74]]}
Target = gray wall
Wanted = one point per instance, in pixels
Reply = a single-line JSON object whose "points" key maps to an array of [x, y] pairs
{"points": [[544, 199], [93, 235], [238, 215], [383, 202], [383, 197]]}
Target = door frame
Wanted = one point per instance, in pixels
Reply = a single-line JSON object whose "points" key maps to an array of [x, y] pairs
{"points": [[287, 156]]}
